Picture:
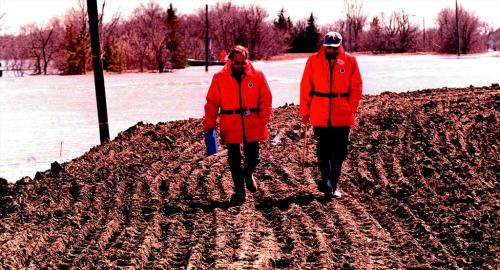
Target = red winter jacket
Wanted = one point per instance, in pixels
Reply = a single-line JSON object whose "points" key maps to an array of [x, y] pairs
{"points": [[330, 100], [244, 108]]}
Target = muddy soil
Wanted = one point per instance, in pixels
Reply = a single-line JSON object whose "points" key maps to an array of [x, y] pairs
{"points": [[420, 192]]}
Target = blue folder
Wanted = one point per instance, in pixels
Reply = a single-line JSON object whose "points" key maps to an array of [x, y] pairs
{"points": [[211, 142]]}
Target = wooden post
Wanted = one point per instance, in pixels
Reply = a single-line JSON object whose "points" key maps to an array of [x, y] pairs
{"points": [[100, 91], [423, 22], [458, 31], [206, 37]]}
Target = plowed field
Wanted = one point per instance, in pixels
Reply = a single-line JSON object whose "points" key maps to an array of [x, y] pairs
{"points": [[420, 191]]}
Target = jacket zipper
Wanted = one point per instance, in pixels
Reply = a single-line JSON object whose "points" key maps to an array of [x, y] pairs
{"points": [[241, 113], [330, 64]]}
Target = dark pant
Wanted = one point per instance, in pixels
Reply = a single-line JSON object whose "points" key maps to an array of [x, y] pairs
{"points": [[251, 152], [331, 151]]}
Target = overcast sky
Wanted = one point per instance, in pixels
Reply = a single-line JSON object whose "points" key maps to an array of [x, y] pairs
{"points": [[20, 12]]}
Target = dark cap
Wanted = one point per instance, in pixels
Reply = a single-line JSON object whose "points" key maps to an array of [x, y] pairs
{"points": [[332, 39]]}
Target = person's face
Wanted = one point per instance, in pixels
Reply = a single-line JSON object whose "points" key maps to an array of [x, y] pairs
{"points": [[331, 52], [239, 62]]}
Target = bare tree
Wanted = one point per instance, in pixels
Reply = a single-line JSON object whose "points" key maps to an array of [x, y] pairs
{"points": [[191, 30], [338, 26], [355, 20], [44, 43], [272, 42], [407, 32], [150, 34], [255, 16], [226, 26], [472, 32], [390, 31], [136, 45], [395, 33], [432, 39], [470, 27], [14, 49], [230, 25]]}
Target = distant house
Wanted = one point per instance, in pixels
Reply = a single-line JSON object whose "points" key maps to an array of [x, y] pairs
{"points": [[493, 42]]}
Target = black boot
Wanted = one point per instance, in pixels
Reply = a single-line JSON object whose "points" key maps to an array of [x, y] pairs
{"points": [[249, 179], [234, 158], [239, 189], [326, 176], [250, 182], [336, 170], [251, 161]]}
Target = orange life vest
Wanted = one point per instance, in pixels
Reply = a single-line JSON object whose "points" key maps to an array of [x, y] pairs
{"points": [[330, 92], [244, 107]]}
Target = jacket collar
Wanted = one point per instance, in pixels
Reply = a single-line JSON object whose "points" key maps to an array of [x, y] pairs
{"points": [[341, 56]]}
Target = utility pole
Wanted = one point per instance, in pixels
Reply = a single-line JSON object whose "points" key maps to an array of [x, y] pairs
{"points": [[457, 24], [100, 92], [423, 22], [206, 37]]}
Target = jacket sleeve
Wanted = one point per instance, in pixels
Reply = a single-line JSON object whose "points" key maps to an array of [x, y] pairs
{"points": [[212, 105], [355, 87], [306, 86], [265, 100]]}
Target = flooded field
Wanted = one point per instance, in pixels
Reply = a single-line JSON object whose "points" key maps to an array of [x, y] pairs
{"points": [[54, 118]]}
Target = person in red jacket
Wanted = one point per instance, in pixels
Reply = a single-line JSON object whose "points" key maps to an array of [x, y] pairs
{"points": [[240, 96], [330, 91]]}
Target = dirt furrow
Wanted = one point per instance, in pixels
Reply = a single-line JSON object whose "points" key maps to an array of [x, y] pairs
{"points": [[419, 192], [286, 238], [377, 238], [201, 252], [316, 251], [248, 234], [224, 239]]}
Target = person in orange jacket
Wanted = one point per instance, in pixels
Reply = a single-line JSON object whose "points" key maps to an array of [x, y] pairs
{"points": [[330, 91], [240, 96]]}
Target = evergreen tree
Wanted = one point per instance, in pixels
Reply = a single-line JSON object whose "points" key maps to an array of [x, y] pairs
{"points": [[298, 37], [375, 36], [112, 56], [76, 51], [282, 22], [311, 35], [283, 27], [305, 36], [178, 57]]}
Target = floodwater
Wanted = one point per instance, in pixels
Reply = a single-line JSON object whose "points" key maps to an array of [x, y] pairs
{"points": [[54, 118]]}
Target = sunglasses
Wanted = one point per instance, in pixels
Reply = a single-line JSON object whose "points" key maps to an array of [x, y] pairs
{"points": [[238, 63]]}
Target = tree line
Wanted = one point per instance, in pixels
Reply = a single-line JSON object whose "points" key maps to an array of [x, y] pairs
{"points": [[158, 39]]}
